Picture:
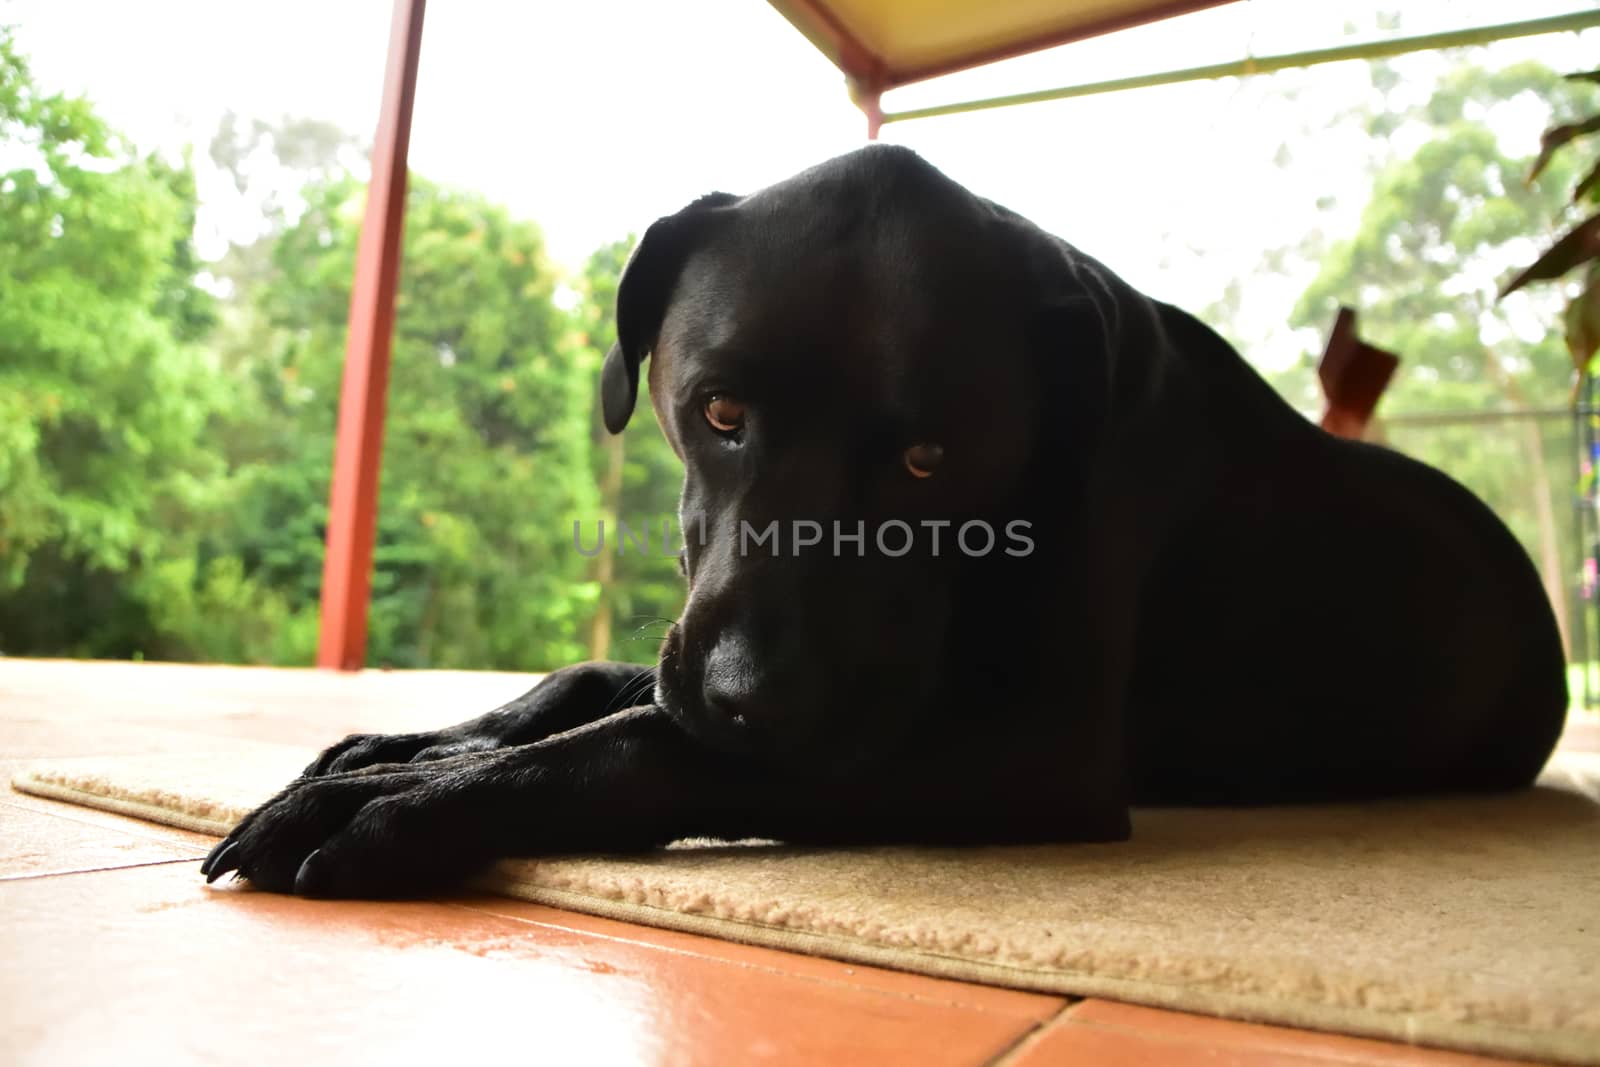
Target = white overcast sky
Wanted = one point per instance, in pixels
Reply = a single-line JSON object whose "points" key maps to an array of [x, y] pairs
{"points": [[596, 116]]}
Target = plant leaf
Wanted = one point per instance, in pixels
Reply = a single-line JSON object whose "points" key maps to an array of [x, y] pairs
{"points": [[1586, 76], [1583, 322], [1588, 184], [1555, 137], [1579, 245]]}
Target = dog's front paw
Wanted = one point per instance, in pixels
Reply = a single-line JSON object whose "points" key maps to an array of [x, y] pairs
{"points": [[368, 750], [381, 832]]}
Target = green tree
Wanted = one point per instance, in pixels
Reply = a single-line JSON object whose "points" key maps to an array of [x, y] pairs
{"points": [[103, 392], [486, 455], [249, 590]]}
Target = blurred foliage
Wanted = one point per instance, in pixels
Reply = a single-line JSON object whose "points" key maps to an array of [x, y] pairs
{"points": [[1580, 244], [1434, 238]]}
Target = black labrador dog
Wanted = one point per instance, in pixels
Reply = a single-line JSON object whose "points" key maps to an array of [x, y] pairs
{"points": [[983, 546]]}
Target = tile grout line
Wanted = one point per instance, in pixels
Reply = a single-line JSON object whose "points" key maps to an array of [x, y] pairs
{"points": [[1309, 1056], [1031, 1037], [98, 870]]}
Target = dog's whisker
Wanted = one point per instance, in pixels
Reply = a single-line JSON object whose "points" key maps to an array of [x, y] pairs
{"points": [[631, 690]]}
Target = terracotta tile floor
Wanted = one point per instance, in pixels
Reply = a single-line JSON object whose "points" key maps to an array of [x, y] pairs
{"points": [[115, 951]]}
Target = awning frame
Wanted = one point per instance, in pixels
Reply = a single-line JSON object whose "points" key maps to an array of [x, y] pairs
{"points": [[1251, 65]]}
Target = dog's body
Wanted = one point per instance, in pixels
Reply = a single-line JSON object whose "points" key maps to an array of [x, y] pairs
{"points": [[1222, 603]]}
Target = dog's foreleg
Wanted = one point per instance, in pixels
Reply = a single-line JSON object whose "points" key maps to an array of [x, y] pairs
{"points": [[635, 780], [565, 699]]}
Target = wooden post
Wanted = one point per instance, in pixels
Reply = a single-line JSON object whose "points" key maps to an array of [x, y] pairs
{"points": [[1354, 375], [358, 446]]}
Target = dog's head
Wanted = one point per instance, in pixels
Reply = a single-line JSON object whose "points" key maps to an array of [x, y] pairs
{"points": [[861, 370]]}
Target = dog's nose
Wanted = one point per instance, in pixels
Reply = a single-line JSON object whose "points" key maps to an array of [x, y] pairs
{"points": [[731, 683]]}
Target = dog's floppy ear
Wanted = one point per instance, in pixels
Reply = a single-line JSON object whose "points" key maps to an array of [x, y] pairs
{"points": [[642, 295]]}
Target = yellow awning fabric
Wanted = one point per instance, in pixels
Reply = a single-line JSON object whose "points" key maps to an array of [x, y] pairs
{"points": [[880, 44]]}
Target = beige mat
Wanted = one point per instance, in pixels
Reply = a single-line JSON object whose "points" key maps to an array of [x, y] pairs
{"points": [[1464, 923]]}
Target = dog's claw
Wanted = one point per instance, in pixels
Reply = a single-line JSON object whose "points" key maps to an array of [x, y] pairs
{"points": [[211, 857], [305, 878], [223, 859]]}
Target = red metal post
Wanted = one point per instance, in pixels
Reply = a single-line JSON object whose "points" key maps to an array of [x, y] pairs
{"points": [[868, 96], [872, 104], [358, 447]]}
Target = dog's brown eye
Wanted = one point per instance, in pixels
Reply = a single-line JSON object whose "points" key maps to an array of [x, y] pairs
{"points": [[922, 460], [725, 414]]}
